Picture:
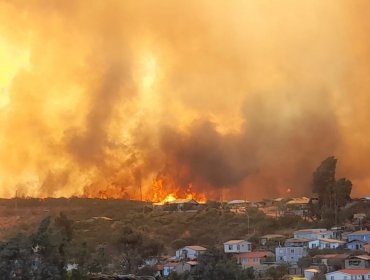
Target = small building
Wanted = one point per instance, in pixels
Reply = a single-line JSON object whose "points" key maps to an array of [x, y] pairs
{"points": [[348, 274], [168, 268], [237, 246], [275, 238], [326, 243], [313, 234], [189, 266], [297, 242], [331, 261], [253, 259], [358, 262], [355, 244], [190, 252], [310, 273], [289, 254], [363, 235]]}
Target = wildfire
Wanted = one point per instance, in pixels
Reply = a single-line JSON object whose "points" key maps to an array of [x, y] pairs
{"points": [[161, 194]]}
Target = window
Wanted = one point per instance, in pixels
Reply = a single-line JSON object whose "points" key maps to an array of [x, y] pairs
{"points": [[238, 247], [345, 277], [254, 259], [331, 277], [230, 247], [292, 251]]}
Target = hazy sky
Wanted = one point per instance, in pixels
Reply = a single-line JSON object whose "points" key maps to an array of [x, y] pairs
{"points": [[243, 98]]}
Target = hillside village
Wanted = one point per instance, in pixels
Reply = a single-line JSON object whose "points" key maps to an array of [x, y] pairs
{"points": [[336, 253], [268, 239]]}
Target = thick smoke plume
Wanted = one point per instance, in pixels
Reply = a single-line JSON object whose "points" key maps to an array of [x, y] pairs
{"points": [[235, 98]]}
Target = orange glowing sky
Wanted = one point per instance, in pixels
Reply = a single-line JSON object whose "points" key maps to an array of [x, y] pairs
{"points": [[236, 98]]}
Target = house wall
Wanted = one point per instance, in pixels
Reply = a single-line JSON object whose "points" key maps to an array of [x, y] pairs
{"points": [[363, 237], [248, 262], [354, 263], [289, 254], [187, 253], [167, 270], [354, 245], [241, 247], [342, 276]]}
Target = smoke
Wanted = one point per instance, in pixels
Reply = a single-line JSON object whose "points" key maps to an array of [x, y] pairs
{"points": [[236, 98]]}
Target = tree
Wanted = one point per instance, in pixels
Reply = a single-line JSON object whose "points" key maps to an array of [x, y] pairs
{"points": [[333, 194], [305, 262], [277, 272], [216, 265]]}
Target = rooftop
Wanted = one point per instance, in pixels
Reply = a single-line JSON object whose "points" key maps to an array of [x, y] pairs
{"points": [[328, 240], [360, 232], [362, 257], [332, 256], [353, 271], [234, 242], [255, 254], [196, 248]]}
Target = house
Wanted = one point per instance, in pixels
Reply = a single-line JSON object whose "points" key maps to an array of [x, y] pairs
{"points": [[273, 238], [366, 248], [297, 242], [355, 244], [168, 268], [313, 234], [189, 266], [348, 274], [190, 252], [363, 235], [326, 243], [253, 259], [237, 246], [331, 261], [310, 273], [238, 206], [289, 254], [358, 262]]}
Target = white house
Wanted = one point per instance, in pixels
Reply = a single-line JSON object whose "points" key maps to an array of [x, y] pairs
{"points": [[314, 233], [237, 246], [349, 274], [190, 252], [324, 243], [289, 254]]}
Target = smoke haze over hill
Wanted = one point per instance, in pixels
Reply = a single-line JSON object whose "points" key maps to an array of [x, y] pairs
{"points": [[236, 98]]}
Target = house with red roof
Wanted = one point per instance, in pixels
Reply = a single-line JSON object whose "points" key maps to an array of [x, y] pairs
{"points": [[253, 259], [349, 274]]}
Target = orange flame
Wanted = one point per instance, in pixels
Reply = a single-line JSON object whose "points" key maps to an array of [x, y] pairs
{"points": [[164, 194]]}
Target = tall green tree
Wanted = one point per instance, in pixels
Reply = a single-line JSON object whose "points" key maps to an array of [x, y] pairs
{"points": [[333, 194]]}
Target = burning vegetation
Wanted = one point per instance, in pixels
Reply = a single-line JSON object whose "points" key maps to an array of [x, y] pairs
{"points": [[194, 94]]}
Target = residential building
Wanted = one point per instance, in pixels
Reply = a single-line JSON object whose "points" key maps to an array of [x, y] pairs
{"points": [[168, 268], [237, 246], [253, 259], [349, 274], [326, 243], [289, 254], [309, 273], [275, 238], [331, 261], [297, 242], [358, 262], [363, 235], [190, 252], [313, 234], [189, 266], [355, 244]]}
